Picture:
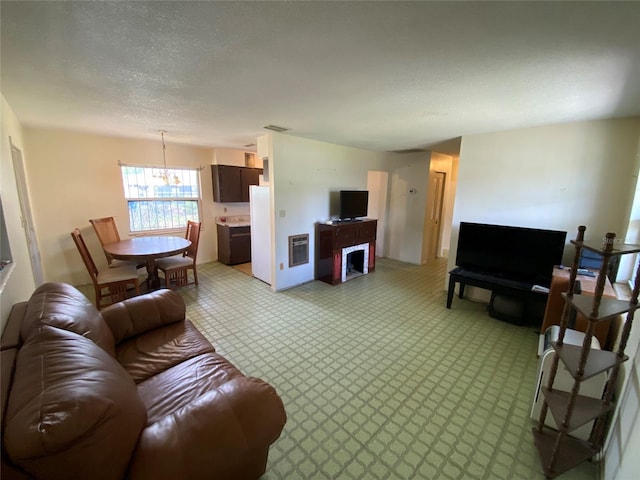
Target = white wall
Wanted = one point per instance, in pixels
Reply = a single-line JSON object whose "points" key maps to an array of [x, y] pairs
{"points": [[626, 269], [410, 173], [19, 284], [75, 176], [378, 186], [304, 175], [623, 442], [555, 177]]}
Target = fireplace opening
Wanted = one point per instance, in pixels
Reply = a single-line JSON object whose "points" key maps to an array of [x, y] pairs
{"points": [[355, 263]]}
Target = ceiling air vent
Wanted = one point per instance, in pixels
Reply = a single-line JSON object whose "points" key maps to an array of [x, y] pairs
{"points": [[409, 150], [276, 128]]}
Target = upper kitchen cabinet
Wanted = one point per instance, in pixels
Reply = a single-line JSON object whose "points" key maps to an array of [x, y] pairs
{"points": [[231, 183], [248, 176]]}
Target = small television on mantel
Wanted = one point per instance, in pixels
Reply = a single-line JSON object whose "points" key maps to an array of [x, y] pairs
{"points": [[353, 204], [518, 253]]}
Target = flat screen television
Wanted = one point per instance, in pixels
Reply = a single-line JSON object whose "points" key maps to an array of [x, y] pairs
{"points": [[353, 204], [518, 253]]}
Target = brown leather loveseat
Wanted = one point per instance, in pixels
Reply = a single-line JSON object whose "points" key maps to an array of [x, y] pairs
{"points": [[134, 391]]}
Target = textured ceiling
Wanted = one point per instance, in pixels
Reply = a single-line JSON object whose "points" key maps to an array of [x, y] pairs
{"points": [[374, 75]]}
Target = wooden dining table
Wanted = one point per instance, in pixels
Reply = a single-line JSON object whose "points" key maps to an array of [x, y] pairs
{"points": [[147, 250]]}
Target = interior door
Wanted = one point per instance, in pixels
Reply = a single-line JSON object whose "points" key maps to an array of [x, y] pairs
{"points": [[435, 199], [27, 218]]}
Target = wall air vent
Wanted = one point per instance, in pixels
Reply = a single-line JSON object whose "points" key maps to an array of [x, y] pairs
{"points": [[409, 150], [298, 249], [276, 128]]}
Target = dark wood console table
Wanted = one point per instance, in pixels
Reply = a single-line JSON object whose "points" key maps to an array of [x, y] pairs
{"points": [[333, 238], [533, 301]]}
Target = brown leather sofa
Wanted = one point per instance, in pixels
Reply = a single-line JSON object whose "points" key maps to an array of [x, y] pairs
{"points": [[134, 391]]}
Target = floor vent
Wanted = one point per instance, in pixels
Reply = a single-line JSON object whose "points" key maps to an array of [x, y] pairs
{"points": [[298, 249]]}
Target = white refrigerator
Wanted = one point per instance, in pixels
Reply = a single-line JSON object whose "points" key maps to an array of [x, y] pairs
{"points": [[259, 207]]}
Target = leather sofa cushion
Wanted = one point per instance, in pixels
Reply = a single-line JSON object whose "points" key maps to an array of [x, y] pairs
{"points": [[149, 354], [180, 385], [141, 314], [71, 404], [221, 434], [62, 306]]}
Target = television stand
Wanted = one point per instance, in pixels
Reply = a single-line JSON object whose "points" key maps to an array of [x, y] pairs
{"points": [[511, 300]]}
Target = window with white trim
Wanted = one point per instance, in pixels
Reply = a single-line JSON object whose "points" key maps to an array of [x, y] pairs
{"points": [[159, 198]]}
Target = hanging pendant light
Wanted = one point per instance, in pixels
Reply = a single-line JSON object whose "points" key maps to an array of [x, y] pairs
{"points": [[166, 175]]}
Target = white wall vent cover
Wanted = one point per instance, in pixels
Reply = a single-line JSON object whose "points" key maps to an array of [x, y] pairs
{"points": [[298, 249]]}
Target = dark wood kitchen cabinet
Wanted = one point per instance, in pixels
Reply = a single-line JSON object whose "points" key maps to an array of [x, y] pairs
{"points": [[231, 183], [234, 244]]}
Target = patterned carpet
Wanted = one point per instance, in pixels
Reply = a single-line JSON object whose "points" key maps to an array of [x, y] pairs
{"points": [[379, 379]]}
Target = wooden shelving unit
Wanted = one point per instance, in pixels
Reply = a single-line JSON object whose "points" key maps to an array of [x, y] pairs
{"points": [[557, 449]]}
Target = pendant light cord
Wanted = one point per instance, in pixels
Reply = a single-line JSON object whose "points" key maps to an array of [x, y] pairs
{"points": [[164, 148]]}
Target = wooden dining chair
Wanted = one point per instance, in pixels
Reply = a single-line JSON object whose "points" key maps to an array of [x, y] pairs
{"points": [[111, 284], [107, 232], [176, 269]]}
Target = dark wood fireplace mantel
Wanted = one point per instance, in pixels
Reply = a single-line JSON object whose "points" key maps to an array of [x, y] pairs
{"points": [[331, 238]]}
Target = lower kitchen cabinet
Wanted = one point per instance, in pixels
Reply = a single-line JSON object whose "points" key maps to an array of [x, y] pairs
{"points": [[234, 244]]}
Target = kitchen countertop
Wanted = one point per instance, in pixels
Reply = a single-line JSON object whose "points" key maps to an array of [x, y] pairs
{"points": [[234, 221], [234, 224]]}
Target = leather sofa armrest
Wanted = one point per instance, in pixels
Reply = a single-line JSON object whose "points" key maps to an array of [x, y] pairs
{"points": [[225, 433], [140, 314], [11, 334]]}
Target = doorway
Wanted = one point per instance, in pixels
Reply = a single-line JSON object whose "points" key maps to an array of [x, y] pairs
{"points": [[27, 217], [431, 245]]}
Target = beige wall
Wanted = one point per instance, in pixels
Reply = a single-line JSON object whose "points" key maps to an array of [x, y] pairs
{"points": [[229, 156], [555, 177], [304, 176], [18, 283], [75, 176], [559, 177]]}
